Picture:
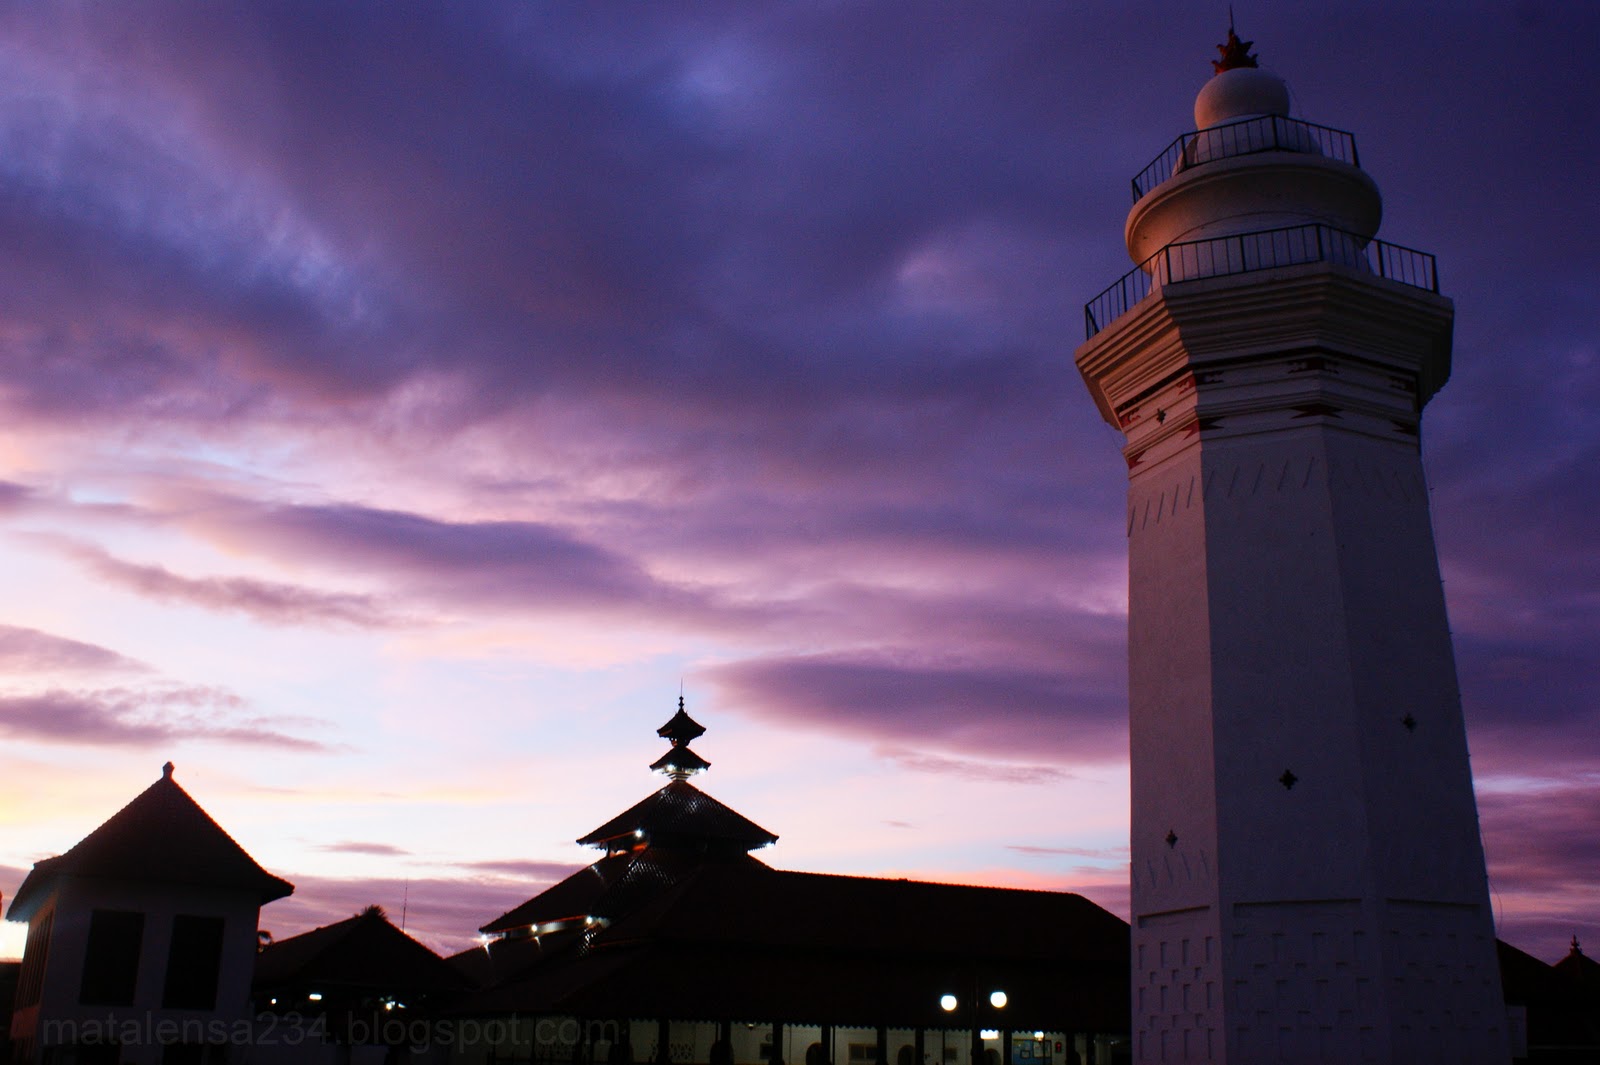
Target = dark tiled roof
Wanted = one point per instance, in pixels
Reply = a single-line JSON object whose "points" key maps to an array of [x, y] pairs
{"points": [[680, 814], [613, 887], [757, 905], [737, 939], [505, 960], [365, 952], [161, 836]]}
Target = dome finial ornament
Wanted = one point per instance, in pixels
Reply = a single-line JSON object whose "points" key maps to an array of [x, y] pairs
{"points": [[1235, 53]]}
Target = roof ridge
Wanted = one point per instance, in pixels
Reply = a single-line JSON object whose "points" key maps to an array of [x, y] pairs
{"points": [[932, 883]]}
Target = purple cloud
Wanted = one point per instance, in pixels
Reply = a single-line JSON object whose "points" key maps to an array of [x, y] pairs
{"points": [[533, 872], [477, 564], [268, 601], [912, 698], [139, 718], [973, 769], [1543, 863], [31, 651], [380, 850], [1071, 852]]}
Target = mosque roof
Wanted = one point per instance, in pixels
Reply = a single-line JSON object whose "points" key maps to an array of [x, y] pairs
{"points": [[682, 815], [736, 938]]}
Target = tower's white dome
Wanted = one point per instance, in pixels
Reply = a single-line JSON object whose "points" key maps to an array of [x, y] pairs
{"points": [[1242, 92]]}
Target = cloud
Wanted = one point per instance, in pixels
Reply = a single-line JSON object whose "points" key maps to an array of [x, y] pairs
{"points": [[13, 496], [1539, 840], [145, 717], [520, 566], [546, 872], [267, 601], [1108, 853], [972, 768], [908, 697], [382, 850], [31, 651]]}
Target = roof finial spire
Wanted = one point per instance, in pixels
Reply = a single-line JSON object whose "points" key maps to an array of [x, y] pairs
{"points": [[680, 762], [166, 771], [1235, 53]]}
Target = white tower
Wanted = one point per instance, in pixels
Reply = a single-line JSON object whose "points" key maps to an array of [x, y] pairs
{"points": [[1308, 880]]}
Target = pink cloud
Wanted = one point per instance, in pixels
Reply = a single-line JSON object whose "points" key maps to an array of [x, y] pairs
{"points": [[268, 601], [140, 718], [31, 651], [908, 697]]}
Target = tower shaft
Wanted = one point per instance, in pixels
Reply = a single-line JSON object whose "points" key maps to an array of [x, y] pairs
{"points": [[1307, 874]]}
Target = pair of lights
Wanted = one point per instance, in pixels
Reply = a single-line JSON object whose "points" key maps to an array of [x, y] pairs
{"points": [[997, 999]]}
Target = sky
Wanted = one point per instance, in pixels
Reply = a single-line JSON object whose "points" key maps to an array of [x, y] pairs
{"points": [[402, 404]]}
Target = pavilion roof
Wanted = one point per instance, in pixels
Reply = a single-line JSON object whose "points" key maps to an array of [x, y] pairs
{"points": [[680, 727], [365, 952], [681, 814], [162, 836]]}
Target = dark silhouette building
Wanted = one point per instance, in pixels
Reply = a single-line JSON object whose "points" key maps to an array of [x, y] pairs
{"points": [[679, 944]]}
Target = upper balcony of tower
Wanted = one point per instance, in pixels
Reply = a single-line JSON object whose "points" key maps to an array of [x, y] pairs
{"points": [[1251, 188], [1249, 166]]}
